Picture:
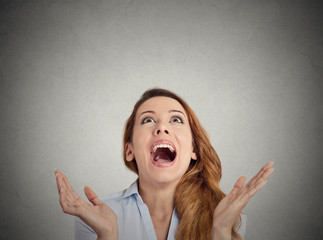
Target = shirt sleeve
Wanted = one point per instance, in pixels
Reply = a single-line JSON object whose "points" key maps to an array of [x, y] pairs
{"points": [[83, 231], [242, 229]]}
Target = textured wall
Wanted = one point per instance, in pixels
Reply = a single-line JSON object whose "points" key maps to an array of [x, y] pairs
{"points": [[70, 72]]}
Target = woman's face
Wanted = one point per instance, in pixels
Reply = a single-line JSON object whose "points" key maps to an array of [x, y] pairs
{"points": [[161, 141]]}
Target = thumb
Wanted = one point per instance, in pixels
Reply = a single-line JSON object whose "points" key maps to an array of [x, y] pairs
{"points": [[90, 194]]}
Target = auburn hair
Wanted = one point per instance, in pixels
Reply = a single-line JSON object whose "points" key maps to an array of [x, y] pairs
{"points": [[198, 191]]}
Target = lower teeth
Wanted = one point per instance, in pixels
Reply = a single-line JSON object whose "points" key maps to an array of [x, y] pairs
{"points": [[163, 160]]}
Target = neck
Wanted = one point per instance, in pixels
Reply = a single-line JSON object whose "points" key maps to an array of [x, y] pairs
{"points": [[159, 199]]}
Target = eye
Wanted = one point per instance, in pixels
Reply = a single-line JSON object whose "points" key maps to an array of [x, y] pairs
{"points": [[147, 120], [176, 119]]}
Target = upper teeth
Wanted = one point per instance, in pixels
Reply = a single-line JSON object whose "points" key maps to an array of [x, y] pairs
{"points": [[163, 146]]}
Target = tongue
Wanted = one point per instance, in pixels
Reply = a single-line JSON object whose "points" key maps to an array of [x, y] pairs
{"points": [[161, 157]]}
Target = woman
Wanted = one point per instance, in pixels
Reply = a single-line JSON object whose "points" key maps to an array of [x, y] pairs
{"points": [[177, 194]]}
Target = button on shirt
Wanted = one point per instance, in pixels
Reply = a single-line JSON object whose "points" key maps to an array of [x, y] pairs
{"points": [[134, 221]]}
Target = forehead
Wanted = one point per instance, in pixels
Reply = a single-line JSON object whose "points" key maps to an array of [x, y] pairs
{"points": [[160, 104]]}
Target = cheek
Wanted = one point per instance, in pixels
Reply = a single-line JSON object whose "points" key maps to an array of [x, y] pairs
{"points": [[186, 139], [139, 140]]}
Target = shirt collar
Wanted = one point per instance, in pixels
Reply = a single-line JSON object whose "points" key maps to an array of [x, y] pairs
{"points": [[132, 190]]}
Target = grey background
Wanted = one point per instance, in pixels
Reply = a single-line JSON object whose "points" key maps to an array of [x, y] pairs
{"points": [[72, 70]]}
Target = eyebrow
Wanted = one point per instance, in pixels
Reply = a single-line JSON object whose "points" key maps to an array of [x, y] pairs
{"points": [[170, 111], [147, 112], [177, 111]]}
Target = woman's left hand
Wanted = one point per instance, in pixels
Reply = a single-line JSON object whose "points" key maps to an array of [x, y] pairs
{"points": [[230, 207]]}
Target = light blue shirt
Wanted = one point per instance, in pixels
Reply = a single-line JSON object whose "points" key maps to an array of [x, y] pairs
{"points": [[134, 221]]}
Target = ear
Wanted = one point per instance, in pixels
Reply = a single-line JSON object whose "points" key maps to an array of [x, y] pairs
{"points": [[129, 152], [193, 155]]}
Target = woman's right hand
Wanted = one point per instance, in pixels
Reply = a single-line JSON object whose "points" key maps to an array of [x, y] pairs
{"points": [[97, 215]]}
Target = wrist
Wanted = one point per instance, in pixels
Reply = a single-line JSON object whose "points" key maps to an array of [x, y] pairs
{"points": [[111, 236], [110, 233], [221, 233]]}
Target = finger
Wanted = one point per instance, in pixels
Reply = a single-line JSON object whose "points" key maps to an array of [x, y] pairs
{"points": [[257, 183], [243, 197], [90, 194], [263, 177], [59, 182], [251, 189], [62, 200], [66, 205], [256, 188], [62, 183], [71, 196], [251, 192], [266, 174], [70, 202], [259, 174], [238, 185], [235, 190], [65, 180]]}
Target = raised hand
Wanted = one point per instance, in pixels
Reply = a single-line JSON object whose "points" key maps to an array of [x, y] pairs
{"points": [[230, 207], [97, 215]]}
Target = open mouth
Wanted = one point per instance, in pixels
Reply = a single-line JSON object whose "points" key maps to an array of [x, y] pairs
{"points": [[163, 155]]}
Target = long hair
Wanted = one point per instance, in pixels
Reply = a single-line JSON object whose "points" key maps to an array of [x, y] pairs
{"points": [[198, 191]]}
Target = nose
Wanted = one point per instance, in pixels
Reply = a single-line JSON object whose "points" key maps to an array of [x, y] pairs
{"points": [[161, 129]]}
